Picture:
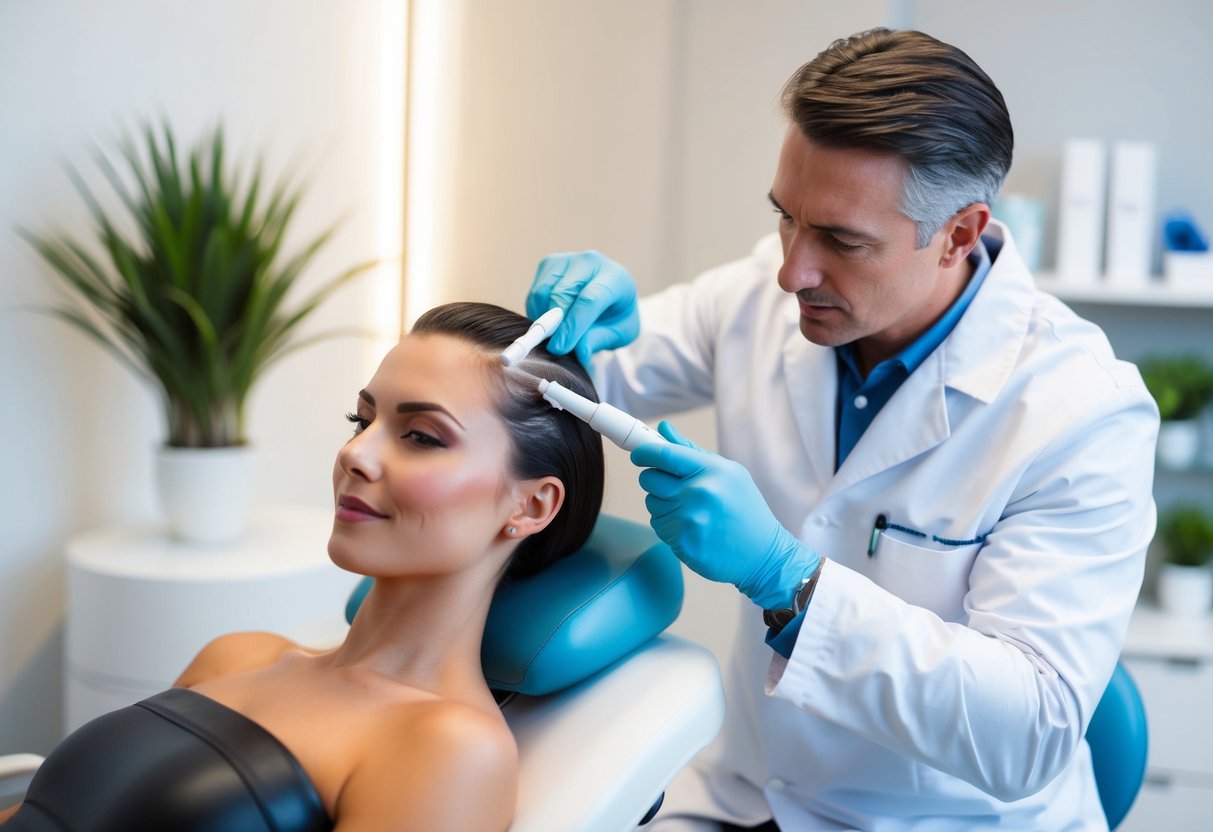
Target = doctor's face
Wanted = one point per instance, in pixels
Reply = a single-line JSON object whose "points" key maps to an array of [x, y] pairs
{"points": [[422, 487], [849, 253]]}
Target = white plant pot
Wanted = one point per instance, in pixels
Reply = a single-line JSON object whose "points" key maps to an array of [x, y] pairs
{"points": [[206, 493], [1185, 591], [1178, 443]]}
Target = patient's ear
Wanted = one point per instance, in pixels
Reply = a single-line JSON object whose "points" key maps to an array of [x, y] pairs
{"points": [[539, 500]]}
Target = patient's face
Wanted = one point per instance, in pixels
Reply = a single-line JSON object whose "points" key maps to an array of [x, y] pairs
{"points": [[422, 487]]}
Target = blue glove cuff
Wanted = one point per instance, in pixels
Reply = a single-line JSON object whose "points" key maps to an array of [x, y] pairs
{"points": [[792, 563]]}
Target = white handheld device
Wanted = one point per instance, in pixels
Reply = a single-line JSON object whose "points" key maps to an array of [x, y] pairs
{"points": [[544, 326], [626, 431]]}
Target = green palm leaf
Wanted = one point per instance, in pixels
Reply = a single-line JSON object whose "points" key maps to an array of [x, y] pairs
{"points": [[199, 299]]}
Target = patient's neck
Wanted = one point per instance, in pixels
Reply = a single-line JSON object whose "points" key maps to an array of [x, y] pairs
{"points": [[424, 632]]}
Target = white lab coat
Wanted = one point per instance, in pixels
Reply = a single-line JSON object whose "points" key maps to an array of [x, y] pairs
{"points": [[932, 686]]}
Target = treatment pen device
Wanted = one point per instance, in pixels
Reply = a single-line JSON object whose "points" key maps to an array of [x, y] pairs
{"points": [[544, 326], [626, 431]]}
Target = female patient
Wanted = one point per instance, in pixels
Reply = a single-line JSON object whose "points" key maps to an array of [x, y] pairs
{"points": [[457, 474]]}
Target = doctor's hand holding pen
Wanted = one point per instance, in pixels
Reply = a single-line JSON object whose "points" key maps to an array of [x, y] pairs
{"points": [[708, 510]]}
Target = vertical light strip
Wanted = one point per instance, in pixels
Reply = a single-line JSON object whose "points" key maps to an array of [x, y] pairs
{"points": [[389, 233], [421, 130]]}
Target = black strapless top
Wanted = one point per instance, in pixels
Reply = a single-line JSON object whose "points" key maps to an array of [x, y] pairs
{"points": [[176, 761]]}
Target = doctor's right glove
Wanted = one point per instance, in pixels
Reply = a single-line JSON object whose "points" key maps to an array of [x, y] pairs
{"points": [[598, 297], [708, 510]]}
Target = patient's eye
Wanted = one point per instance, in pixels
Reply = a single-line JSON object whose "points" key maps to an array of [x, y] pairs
{"points": [[418, 437], [359, 423]]}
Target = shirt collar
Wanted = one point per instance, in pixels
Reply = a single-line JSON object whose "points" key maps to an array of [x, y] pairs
{"points": [[915, 353]]}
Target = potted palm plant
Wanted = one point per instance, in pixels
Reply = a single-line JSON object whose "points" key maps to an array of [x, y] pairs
{"points": [[1185, 582], [198, 300], [1182, 386]]}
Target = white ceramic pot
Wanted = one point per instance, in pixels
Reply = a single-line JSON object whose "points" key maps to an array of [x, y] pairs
{"points": [[206, 493], [1185, 591], [1178, 443]]}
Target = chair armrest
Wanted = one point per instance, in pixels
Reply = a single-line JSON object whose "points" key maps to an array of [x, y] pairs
{"points": [[16, 771], [663, 703]]}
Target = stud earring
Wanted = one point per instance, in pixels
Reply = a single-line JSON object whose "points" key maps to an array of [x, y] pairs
{"points": [[510, 530]]}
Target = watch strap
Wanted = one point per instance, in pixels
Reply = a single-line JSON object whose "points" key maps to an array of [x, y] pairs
{"points": [[776, 620]]}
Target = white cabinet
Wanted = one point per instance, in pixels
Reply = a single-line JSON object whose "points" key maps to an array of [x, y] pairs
{"points": [[1172, 662], [141, 605]]}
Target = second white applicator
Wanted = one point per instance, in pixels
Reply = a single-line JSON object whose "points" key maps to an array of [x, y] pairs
{"points": [[624, 430]]}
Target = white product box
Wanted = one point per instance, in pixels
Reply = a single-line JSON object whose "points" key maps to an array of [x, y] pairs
{"points": [[1081, 212], [1131, 223], [1188, 271]]}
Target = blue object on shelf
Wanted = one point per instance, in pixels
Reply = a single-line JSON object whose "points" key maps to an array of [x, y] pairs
{"points": [[1180, 233]]}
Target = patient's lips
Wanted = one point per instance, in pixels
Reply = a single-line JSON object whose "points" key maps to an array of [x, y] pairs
{"points": [[352, 510]]}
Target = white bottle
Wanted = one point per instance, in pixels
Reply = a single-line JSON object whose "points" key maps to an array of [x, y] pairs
{"points": [[1081, 214], [1131, 215]]}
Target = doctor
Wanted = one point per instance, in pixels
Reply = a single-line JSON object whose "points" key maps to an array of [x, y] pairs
{"points": [[934, 481]]}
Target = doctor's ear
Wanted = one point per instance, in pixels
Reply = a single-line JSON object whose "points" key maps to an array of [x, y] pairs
{"points": [[539, 501], [962, 232]]}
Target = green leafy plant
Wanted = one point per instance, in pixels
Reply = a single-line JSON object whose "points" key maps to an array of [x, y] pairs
{"points": [[1182, 385], [196, 299], [1187, 532]]}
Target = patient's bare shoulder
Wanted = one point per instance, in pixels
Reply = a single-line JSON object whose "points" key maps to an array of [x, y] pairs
{"points": [[233, 653], [437, 765]]}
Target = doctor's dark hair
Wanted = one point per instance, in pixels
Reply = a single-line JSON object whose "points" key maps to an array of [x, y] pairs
{"points": [[906, 93], [546, 441]]}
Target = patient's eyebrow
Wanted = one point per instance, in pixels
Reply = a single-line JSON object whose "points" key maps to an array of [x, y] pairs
{"points": [[421, 407]]}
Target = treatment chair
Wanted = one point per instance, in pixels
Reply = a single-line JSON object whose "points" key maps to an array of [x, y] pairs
{"points": [[1119, 740], [605, 708]]}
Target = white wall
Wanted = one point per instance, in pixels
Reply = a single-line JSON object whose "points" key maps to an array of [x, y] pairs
{"points": [[294, 80]]}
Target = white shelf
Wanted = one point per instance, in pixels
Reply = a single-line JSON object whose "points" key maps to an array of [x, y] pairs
{"points": [[1154, 634], [1157, 293]]}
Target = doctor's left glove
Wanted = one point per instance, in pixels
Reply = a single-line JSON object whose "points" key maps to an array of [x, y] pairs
{"points": [[598, 297], [708, 510]]}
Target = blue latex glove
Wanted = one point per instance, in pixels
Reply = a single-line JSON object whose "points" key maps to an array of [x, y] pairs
{"points": [[598, 297], [710, 512]]}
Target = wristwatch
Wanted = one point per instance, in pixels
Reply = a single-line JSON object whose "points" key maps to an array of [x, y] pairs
{"points": [[778, 619]]}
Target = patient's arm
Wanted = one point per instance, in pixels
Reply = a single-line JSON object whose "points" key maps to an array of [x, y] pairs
{"points": [[447, 766], [233, 653]]}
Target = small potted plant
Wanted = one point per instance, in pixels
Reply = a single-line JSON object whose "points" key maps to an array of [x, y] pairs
{"points": [[1185, 582], [1182, 386], [197, 299]]}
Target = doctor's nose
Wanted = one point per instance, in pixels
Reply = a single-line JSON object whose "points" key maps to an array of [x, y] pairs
{"points": [[801, 268], [360, 456]]}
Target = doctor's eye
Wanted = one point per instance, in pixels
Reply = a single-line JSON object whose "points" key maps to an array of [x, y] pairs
{"points": [[784, 216], [842, 245], [360, 424]]}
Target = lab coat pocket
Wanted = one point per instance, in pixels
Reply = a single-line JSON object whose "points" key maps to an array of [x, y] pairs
{"points": [[934, 578]]}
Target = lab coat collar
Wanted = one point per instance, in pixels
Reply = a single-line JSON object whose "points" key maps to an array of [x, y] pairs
{"points": [[981, 352], [975, 359]]}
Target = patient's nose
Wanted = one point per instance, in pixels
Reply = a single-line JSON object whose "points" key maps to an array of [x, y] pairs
{"points": [[360, 456]]}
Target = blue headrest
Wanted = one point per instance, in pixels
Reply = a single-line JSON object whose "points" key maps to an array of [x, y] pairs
{"points": [[551, 630]]}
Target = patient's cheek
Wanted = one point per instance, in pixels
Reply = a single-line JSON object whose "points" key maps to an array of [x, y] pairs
{"points": [[459, 489]]}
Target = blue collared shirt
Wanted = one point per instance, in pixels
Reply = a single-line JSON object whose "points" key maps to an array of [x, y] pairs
{"points": [[860, 399]]}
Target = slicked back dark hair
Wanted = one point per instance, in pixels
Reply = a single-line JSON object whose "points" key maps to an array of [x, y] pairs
{"points": [[546, 441], [906, 93]]}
